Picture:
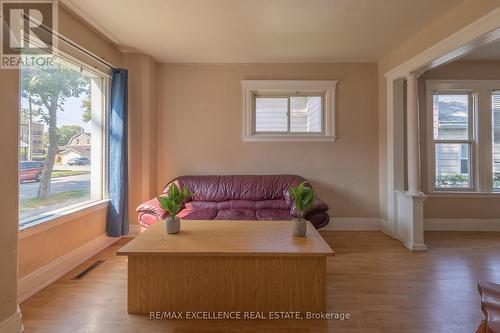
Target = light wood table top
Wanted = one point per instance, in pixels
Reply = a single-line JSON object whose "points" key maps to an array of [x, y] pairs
{"points": [[242, 238]]}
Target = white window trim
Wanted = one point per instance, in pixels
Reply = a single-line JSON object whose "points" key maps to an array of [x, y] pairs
{"points": [[481, 148], [252, 87], [61, 216]]}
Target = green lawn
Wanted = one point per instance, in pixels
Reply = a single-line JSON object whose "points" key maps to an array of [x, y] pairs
{"points": [[66, 173], [32, 203]]}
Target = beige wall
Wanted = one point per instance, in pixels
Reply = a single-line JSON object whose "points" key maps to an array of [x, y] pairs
{"points": [[142, 130], [446, 208], [9, 115], [456, 19], [200, 112], [41, 248]]}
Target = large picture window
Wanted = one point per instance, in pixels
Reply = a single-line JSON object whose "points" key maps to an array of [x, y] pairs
{"points": [[62, 138]]}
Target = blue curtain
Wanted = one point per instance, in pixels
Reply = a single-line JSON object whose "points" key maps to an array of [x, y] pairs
{"points": [[118, 155]]}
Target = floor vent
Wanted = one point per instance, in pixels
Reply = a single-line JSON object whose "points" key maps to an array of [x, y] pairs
{"points": [[87, 270]]}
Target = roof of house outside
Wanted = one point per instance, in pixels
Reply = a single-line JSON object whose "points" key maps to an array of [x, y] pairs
{"points": [[452, 115], [82, 150]]}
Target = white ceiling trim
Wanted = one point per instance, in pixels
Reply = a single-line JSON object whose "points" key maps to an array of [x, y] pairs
{"points": [[89, 20]]}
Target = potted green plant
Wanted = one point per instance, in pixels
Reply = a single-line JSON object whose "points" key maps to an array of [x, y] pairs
{"points": [[303, 198], [172, 203]]}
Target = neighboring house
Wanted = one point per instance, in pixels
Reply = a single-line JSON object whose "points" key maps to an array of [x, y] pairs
{"points": [[451, 159], [73, 152], [80, 139], [78, 146], [36, 139]]}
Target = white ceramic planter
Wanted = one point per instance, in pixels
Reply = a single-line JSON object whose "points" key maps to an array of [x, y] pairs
{"points": [[299, 228], [172, 225]]}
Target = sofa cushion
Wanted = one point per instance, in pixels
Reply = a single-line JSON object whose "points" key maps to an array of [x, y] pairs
{"points": [[152, 207], [201, 204], [147, 219], [197, 214], [240, 187], [272, 204], [236, 214], [243, 204], [273, 214], [237, 204]]}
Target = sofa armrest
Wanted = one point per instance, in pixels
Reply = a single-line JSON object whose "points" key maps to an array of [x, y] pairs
{"points": [[318, 206], [152, 207]]}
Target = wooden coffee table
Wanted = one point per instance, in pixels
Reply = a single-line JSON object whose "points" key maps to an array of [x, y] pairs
{"points": [[227, 266]]}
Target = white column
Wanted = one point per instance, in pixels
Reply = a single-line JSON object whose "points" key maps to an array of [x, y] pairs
{"points": [[411, 203], [412, 134]]}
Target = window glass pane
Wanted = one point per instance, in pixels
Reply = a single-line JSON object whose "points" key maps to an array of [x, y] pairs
{"points": [[495, 107], [306, 114], [452, 165], [271, 114], [60, 143], [451, 117]]}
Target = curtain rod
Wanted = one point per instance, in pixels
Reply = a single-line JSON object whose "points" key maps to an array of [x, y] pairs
{"points": [[70, 42], [82, 49]]}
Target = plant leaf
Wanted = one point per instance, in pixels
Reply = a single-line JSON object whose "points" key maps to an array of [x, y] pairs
{"points": [[308, 199], [174, 198], [303, 197]]}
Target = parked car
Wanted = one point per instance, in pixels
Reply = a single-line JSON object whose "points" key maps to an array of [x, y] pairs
{"points": [[78, 161], [29, 170]]}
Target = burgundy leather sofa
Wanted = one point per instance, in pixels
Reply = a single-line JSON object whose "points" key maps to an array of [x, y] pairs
{"points": [[263, 197]]}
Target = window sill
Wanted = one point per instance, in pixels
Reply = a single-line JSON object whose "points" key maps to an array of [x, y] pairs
{"points": [[462, 194], [288, 138], [58, 218]]}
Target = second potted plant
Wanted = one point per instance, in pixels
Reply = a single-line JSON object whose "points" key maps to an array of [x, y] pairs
{"points": [[172, 203], [303, 198]]}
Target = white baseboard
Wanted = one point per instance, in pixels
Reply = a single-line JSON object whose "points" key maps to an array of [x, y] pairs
{"points": [[354, 224], [462, 224], [13, 323], [418, 247], [34, 282], [376, 224]]}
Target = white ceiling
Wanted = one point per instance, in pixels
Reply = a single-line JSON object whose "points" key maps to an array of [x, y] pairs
{"points": [[246, 31]]}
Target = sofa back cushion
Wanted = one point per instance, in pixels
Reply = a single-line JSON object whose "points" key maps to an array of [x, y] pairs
{"points": [[239, 204], [237, 187]]}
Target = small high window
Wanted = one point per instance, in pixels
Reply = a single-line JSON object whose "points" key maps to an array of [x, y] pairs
{"points": [[289, 110]]}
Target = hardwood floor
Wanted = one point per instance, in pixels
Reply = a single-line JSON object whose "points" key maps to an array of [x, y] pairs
{"points": [[383, 286]]}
